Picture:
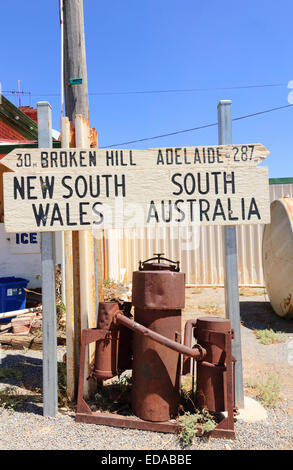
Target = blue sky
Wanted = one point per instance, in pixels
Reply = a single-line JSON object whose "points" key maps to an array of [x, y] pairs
{"points": [[161, 45]]}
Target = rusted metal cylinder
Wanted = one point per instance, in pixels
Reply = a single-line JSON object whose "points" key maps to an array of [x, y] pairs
{"points": [[125, 340], [114, 353], [158, 294], [212, 333], [106, 354]]}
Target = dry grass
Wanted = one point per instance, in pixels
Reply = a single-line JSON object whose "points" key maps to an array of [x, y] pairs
{"points": [[266, 388], [251, 291], [212, 309], [197, 290]]}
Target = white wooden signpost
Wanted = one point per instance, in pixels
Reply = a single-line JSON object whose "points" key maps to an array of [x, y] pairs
{"points": [[60, 160], [182, 192], [78, 189]]}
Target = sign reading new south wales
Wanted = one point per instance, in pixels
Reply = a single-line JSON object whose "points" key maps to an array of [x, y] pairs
{"points": [[116, 197], [31, 160]]}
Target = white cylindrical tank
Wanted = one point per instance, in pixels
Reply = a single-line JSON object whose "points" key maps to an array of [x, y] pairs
{"points": [[277, 257]]}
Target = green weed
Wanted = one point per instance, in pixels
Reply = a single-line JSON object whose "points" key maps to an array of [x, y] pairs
{"points": [[11, 400], [270, 336], [195, 424], [114, 395], [63, 400], [9, 372], [266, 389]]}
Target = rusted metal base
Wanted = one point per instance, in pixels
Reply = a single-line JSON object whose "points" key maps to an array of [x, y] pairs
{"points": [[85, 415], [223, 430], [130, 422]]}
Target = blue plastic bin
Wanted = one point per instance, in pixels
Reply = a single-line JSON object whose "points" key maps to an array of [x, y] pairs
{"points": [[12, 295]]}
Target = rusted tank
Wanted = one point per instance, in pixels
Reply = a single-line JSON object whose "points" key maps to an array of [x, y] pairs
{"points": [[158, 295], [214, 374], [113, 354], [277, 257]]}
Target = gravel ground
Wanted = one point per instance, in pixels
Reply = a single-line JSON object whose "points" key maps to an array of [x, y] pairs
{"points": [[28, 429]]}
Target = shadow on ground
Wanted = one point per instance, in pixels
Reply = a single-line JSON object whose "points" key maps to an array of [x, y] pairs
{"points": [[261, 316], [25, 372]]}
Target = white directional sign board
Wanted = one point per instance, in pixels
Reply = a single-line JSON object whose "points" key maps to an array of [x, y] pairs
{"points": [[31, 160], [75, 189]]}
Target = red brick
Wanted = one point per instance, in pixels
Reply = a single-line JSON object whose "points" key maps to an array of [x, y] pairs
{"points": [[30, 112], [22, 323]]}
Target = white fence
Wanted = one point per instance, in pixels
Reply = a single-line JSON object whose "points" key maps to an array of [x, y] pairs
{"points": [[198, 250]]}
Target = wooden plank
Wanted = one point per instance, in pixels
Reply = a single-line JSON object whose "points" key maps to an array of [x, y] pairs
{"points": [[34, 160], [87, 267], [35, 202], [27, 341], [69, 288]]}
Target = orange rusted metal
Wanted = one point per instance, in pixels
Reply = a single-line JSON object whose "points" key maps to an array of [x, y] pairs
{"points": [[113, 353], [85, 415], [72, 135], [189, 325], [198, 352], [214, 374], [158, 295], [157, 353], [93, 138]]}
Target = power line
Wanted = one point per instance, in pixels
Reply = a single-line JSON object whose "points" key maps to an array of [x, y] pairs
{"points": [[16, 92], [145, 92], [197, 128], [187, 90], [162, 135]]}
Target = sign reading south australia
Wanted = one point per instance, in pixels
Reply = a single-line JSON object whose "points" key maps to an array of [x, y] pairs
{"points": [[129, 196]]}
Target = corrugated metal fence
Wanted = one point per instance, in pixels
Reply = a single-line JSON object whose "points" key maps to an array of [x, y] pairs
{"points": [[198, 250]]}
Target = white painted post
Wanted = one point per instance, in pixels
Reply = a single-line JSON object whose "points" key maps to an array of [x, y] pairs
{"points": [[49, 327], [231, 262]]}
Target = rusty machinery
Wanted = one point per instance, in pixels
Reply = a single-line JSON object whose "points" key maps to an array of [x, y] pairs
{"points": [[151, 346]]}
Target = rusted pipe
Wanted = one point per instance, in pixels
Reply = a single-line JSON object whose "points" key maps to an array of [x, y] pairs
{"points": [[188, 332], [189, 325], [197, 353]]}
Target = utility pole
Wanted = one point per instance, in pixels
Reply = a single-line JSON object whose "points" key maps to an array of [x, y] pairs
{"points": [[82, 245], [76, 95]]}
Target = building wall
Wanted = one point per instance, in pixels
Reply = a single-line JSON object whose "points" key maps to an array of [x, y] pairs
{"points": [[199, 250], [20, 256]]}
